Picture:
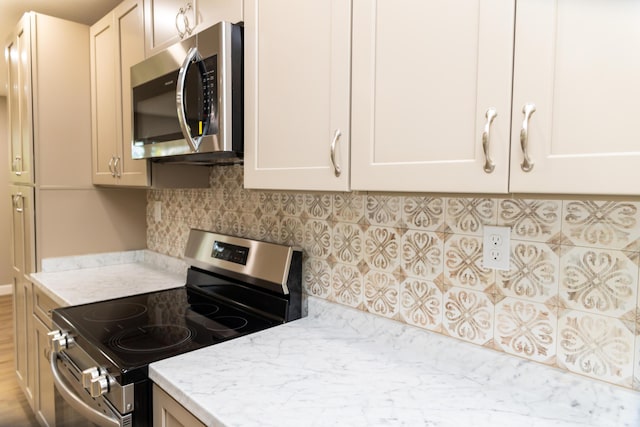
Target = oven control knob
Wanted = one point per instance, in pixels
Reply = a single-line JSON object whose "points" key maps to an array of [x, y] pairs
{"points": [[99, 386], [89, 375], [62, 341]]}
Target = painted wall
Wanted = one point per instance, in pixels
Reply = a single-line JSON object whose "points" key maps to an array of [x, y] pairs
{"points": [[5, 205], [570, 300]]}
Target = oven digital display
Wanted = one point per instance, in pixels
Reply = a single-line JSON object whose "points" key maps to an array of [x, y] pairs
{"points": [[229, 252]]}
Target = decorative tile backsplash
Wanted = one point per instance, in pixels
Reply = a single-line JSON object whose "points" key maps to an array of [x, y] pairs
{"points": [[570, 299]]}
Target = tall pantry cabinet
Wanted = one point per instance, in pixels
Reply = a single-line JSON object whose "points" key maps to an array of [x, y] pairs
{"points": [[56, 209]]}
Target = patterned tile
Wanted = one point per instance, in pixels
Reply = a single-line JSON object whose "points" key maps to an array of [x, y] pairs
{"points": [[317, 239], [383, 210], [599, 347], [468, 315], [422, 254], [268, 202], [348, 242], [346, 285], [604, 224], [318, 206], [317, 277], [268, 228], [636, 370], [381, 293], [421, 304], [526, 329], [291, 231], [598, 281], [423, 213], [534, 272], [538, 220], [292, 204], [463, 263], [382, 248], [467, 216], [348, 207]]}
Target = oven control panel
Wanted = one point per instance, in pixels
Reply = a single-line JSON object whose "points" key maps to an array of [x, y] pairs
{"points": [[228, 252]]}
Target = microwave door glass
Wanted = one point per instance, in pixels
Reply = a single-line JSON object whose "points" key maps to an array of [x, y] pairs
{"points": [[154, 109]]}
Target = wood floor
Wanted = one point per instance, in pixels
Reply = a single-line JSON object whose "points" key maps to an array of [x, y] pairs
{"points": [[14, 409]]}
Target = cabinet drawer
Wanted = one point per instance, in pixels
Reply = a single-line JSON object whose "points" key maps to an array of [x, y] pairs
{"points": [[43, 305]]}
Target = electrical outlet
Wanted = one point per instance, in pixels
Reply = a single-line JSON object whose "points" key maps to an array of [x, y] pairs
{"points": [[496, 248], [157, 211]]}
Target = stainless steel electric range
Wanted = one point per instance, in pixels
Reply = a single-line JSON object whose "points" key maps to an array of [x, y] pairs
{"points": [[101, 351]]}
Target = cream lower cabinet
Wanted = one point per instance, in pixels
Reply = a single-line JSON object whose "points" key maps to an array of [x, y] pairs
{"points": [[169, 413], [22, 261], [429, 79], [117, 43], [169, 21], [297, 94], [575, 63]]}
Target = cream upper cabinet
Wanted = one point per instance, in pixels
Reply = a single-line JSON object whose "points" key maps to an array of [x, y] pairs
{"points": [[18, 58], [117, 43], [169, 21], [297, 94], [576, 63], [431, 95]]}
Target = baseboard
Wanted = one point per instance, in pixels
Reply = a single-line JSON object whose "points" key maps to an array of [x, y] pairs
{"points": [[5, 290]]}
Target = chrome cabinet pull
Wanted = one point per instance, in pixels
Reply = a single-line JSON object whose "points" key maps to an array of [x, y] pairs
{"points": [[185, 21], [336, 167], [489, 166], [116, 167], [18, 161], [111, 167], [18, 202], [528, 111]]}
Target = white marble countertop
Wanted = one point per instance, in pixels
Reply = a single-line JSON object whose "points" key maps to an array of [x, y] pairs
{"points": [[80, 280], [343, 367]]}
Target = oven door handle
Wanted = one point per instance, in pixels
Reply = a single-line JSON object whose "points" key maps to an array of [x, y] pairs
{"points": [[74, 401], [192, 56]]}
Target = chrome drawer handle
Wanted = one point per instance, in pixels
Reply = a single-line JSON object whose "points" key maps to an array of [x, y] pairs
{"points": [[336, 167], [491, 114], [528, 111]]}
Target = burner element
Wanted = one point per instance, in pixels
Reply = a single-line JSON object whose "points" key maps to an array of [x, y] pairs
{"points": [[224, 323], [204, 309], [114, 312], [151, 338]]}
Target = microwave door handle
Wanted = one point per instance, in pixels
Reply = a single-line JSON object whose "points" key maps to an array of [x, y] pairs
{"points": [[192, 55]]}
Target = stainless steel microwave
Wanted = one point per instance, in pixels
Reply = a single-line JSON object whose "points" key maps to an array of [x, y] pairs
{"points": [[188, 99]]}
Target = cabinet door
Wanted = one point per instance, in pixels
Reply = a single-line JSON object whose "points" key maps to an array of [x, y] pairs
{"points": [[163, 21], [20, 107], [425, 74], [213, 11], [169, 413], [44, 391], [129, 24], [22, 259], [576, 62], [103, 100], [297, 86]]}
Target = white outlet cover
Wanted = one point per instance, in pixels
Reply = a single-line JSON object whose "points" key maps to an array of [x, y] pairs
{"points": [[496, 247]]}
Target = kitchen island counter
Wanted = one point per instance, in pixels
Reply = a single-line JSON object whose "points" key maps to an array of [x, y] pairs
{"points": [[344, 367]]}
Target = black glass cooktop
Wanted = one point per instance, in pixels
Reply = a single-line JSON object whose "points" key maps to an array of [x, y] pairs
{"points": [[132, 332]]}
